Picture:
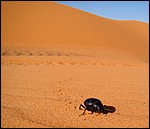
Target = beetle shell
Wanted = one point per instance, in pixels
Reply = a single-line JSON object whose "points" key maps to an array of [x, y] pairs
{"points": [[90, 101], [95, 105]]}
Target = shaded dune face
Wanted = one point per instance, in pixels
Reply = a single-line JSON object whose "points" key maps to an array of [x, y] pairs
{"points": [[48, 24]]}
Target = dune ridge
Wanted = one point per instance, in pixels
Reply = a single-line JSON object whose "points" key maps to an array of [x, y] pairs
{"points": [[54, 56], [82, 29]]}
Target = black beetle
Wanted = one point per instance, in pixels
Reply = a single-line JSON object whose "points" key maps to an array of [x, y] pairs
{"points": [[95, 105]]}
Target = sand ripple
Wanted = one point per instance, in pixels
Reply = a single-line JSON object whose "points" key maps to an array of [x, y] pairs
{"points": [[36, 52]]}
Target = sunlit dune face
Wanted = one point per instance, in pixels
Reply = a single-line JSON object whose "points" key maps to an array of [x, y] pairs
{"points": [[53, 24], [54, 57]]}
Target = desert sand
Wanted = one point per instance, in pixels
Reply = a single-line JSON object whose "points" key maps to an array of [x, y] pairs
{"points": [[54, 56]]}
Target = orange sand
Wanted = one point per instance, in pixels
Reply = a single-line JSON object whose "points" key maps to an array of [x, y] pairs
{"points": [[55, 56]]}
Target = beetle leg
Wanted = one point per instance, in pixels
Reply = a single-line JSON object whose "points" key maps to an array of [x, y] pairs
{"points": [[81, 106], [84, 111], [92, 111]]}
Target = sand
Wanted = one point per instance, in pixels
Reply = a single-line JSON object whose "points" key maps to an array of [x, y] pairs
{"points": [[54, 57]]}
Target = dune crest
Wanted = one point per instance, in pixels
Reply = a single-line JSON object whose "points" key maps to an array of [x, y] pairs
{"points": [[55, 56], [50, 24]]}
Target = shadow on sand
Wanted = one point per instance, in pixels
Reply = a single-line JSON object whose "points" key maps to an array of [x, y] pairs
{"points": [[111, 109]]}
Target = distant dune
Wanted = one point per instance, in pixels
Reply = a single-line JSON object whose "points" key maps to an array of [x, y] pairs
{"points": [[50, 24], [55, 56]]}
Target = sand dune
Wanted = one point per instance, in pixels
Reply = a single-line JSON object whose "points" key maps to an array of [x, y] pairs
{"points": [[55, 56], [49, 23]]}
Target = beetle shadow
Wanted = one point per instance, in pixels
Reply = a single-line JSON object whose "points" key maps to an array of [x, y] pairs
{"points": [[111, 109]]}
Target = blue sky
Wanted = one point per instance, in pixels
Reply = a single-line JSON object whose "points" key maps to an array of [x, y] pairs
{"points": [[118, 10]]}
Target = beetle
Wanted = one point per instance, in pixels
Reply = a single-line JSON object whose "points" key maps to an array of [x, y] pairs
{"points": [[94, 105]]}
